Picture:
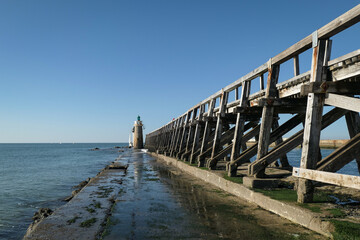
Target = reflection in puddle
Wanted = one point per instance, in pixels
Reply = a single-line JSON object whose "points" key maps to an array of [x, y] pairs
{"points": [[160, 204]]}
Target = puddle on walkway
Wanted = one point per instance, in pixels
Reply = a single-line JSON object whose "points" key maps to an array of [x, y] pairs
{"points": [[159, 202]]}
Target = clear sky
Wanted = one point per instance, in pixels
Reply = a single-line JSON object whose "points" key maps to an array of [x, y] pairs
{"points": [[81, 71]]}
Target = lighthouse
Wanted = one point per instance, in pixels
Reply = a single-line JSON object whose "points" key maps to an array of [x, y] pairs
{"points": [[138, 134]]}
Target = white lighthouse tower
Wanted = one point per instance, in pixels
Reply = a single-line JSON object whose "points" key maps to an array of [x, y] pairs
{"points": [[138, 134]]}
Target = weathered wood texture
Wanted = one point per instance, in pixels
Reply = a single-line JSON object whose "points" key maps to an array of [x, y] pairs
{"points": [[326, 177], [207, 136]]}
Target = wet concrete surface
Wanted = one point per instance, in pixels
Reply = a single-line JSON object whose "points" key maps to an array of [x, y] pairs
{"points": [[160, 202]]}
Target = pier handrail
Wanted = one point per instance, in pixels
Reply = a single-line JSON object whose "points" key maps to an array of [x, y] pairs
{"points": [[336, 26]]}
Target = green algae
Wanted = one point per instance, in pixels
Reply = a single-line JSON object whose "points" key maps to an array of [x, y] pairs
{"points": [[88, 223]]}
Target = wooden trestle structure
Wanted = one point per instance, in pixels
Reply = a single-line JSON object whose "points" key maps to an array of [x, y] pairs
{"points": [[206, 134]]}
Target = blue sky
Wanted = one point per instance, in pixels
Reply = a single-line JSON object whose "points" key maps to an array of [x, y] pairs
{"points": [[81, 71]]}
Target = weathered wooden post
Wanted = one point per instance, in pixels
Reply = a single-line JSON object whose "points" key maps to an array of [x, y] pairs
{"points": [[206, 134], [268, 112], [239, 130], [312, 128], [219, 128], [198, 130], [190, 135]]}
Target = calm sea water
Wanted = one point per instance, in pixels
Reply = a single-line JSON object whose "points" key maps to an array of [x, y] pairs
{"points": [[33, 176]]}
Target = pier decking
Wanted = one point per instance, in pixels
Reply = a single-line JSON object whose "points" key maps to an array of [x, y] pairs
{"points": [[207, 134]]}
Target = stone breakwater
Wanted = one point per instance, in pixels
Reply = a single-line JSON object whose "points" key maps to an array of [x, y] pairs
{"points": [[83, 217]]}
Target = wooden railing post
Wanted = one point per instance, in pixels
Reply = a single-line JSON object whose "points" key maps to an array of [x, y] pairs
{"points": [[183, 135], [312, 128]]}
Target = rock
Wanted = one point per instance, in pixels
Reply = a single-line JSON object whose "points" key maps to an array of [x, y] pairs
{"points": [[95, 149], [117, 166], [37, 218], [83, 183], [78, 189], [41, 214]]}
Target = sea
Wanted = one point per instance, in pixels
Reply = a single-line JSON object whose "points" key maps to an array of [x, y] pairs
{"points": [[34, 176]]}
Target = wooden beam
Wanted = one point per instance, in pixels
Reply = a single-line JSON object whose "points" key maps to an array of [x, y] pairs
{"points": [[349, 103], [342, 180], [341, 156], [339, 24]]}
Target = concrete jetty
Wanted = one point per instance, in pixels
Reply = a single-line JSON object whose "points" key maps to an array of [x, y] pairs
{"points": [[84, 215]]}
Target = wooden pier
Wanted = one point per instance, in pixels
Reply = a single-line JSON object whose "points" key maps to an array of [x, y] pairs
{"points": [[217, 129]]}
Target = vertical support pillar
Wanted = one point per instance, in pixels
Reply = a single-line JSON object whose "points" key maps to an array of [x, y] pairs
{"points": [[239, 131], [190, 132], [183, 136], [261, 82], [206, 132], [218, 129], [197, 134], [314, 109], [177, 135], [267, 113]]}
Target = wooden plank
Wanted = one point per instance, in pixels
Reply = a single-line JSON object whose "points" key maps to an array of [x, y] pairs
{"points": [[347, 72], [340, 101], [342, 180], [344, 57], [339, 24]]}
